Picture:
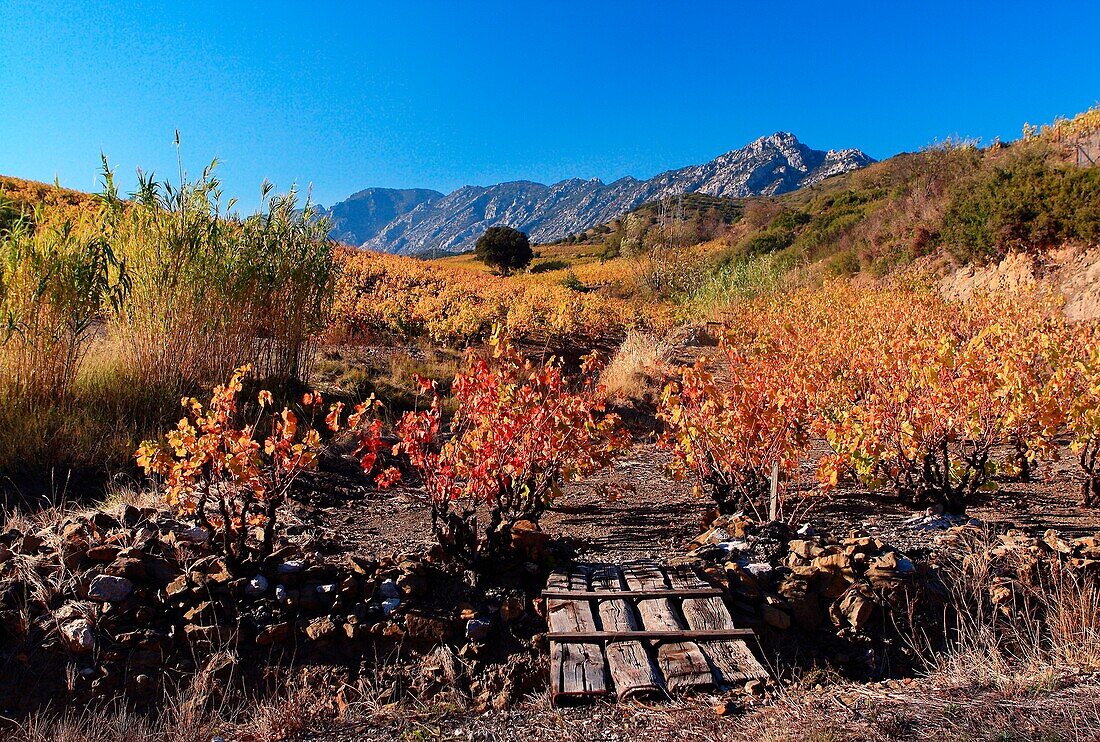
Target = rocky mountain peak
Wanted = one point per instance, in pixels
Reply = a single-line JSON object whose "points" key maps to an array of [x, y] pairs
{"points": [[424, 221]]}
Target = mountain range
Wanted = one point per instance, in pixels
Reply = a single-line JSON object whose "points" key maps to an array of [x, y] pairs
{"points": [[418, 221]]}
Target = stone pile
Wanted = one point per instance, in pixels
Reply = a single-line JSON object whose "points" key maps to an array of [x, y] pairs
{"points": [[783, 581], [1080, 554], [1014, 569], [132, 599]]}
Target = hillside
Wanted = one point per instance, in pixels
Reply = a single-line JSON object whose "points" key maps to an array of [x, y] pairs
{"points": [[952, 209], [364, 214], [18, 195], [770, 165]]}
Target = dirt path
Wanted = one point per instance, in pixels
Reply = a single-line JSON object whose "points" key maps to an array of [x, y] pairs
{"points": [[629, 510], [632, 510]]}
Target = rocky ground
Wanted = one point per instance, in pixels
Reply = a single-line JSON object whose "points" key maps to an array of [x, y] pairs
{"points": [[135, 601]]}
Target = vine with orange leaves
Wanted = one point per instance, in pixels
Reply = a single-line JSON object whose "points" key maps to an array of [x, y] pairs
{"points": [[913, 393], [223, 472]]}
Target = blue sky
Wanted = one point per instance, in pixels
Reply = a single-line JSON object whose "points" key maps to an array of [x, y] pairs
{"points": [[402, 94]]}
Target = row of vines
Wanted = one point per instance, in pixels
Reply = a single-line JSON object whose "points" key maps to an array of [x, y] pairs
{"points": [[930, 399], [393, 298]]}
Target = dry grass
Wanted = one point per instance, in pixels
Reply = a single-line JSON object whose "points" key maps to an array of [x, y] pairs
{"points": [[1022, 662], [1022, 620], [107, 322], [196, 712], [637, 368]]}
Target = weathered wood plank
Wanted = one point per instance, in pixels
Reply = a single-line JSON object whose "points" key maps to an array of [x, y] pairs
{"points": [[682, 663], [701, 592], [640, 634], [632, 671], [577, 669], [732, 660]]}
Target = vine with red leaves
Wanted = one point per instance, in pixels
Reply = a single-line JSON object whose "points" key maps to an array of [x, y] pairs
{"points": [[228, 477], [520, 431]]}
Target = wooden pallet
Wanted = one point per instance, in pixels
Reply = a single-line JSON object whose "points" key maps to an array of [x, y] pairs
{"points": [[641, 629]]}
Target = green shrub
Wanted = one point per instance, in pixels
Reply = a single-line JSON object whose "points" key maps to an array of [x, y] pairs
{"points": [[844, 263], [790, 220], [765, 243], [571, 282], [1023, 201], [550, 265]]}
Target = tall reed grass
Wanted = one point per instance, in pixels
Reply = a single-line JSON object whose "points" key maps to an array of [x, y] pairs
{"points": [[105, 323], [55, 282], [211, 291]]}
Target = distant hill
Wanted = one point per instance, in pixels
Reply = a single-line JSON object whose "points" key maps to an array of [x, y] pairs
{"points": [[768, 166], [363, 215]]}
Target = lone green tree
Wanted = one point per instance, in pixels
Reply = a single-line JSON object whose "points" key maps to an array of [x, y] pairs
{"points": [[504, 249]]}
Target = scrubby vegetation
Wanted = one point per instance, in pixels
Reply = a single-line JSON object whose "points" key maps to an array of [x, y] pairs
{"points": [[814, 351], [110, 319], [391, 298]]}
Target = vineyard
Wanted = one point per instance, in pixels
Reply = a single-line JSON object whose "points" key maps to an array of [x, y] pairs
{"points": [[289, 486], [392, 298], [927, 399]]}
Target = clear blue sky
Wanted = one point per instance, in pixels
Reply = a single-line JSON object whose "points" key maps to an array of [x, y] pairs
{"points": [[401, 94]]}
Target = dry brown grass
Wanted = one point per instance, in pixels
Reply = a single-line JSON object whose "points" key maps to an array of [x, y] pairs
{"points": [[196, 712], [1022, 620], [638, 368], [1022, 662]]}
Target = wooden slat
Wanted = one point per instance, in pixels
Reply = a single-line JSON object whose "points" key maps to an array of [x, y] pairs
{"points": [[632, 671], [632, 594], [645, 635], [682, 664], [732, 660], [577, 669]]}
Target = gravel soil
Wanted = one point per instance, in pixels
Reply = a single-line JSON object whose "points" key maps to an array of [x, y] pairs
{"points": [[632, 510]]}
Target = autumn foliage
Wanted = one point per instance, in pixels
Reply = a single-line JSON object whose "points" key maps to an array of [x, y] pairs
{"points": [[519, 432], [1082, 390], [928, 398], [390, 298], [232, 476], [727, 433]]}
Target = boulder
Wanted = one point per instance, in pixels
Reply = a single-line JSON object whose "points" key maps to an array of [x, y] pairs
{"points": [[78, 636], [103, 552], [426, 629], [274, 634], [1056, 543], [256, 586], [803, 602], [775, 617], [290, 568], [512, 609], [177, 586], [388, 590], [321, 628], [742, 583], [110, 588], [211, 634], [856, 607], [477, 629], [130, 567]]}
